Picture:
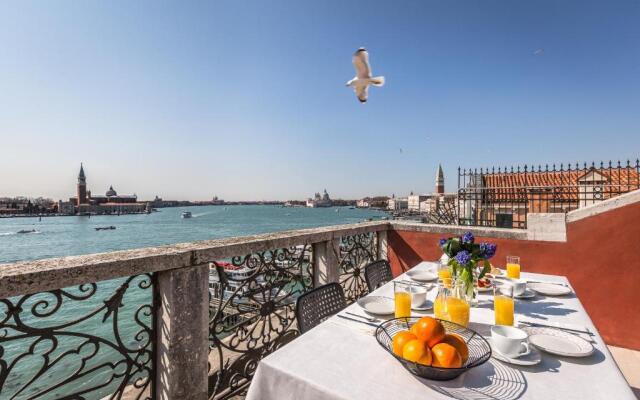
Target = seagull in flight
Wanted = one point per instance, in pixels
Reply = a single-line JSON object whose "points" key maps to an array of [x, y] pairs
{"points": [[363, 77]]}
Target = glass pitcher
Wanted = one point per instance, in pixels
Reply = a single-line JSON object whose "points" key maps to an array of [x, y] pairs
{"points": [[451, 303]]}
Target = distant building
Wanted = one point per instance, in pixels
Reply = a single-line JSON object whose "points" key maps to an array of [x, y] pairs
{"points": [[320, 201], [397, 204], [110, 203], [414, 200], [66, 207], [363, 203]]}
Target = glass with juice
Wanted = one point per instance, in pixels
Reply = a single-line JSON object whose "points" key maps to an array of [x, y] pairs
{"points": [[440, 303], [444, 274], [402, 299], [457, 307], [513, 267], [503, 305]]}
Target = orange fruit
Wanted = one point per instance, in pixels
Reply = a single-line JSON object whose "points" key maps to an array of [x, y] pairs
{"points": [[399, 340], [414, 329], [429, 330], [426, 358], [414, 350], [458, 342], [445, 356]]}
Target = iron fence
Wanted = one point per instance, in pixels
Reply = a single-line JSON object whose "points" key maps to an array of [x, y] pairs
{"points": [[502, 197]]}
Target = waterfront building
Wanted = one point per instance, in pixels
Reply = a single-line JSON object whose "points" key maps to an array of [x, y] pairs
{"points": [[363, 203], [320, 201], [66, 207], [397, 204], [110, 203]]}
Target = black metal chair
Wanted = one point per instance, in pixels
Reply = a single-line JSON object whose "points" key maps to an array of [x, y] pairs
{"points": [[377, 274], [319, 304]]}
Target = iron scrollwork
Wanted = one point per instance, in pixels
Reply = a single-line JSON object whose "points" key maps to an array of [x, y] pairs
{"points": [[92, 341], [356, 251], [252, 313]]}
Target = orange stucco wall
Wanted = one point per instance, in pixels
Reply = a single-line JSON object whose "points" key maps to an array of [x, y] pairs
{"points": [[601, 259]]}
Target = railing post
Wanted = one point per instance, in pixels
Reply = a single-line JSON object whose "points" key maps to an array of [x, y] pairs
{"points": [[182, 327], [325, 261], [382, 245]]}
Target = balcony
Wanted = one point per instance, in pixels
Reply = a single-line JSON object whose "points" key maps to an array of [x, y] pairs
{"points": [[142, 323]]}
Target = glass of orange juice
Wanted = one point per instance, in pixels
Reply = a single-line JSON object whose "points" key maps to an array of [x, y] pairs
{"points": [[504, 304], [457, 308], [444, 274], [402, 299], [513, 267], [440, 303]]}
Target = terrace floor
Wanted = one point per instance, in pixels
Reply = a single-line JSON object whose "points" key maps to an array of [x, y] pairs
{"points": [[629, 363]]}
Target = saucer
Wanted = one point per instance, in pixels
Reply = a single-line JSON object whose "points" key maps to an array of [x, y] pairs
{"points": [[422, 275], [377, 305], [534, 357], [426, 306], [528, 294]]}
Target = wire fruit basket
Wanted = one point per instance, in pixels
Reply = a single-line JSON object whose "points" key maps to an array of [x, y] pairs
{"points": [[479, 348]]}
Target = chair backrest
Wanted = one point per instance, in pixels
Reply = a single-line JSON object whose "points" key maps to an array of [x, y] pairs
{"points": [[319, 304], [377, 274]]}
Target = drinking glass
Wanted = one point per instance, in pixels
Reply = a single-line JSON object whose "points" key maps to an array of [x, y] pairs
{"points": [[504, 304], [444, 274], [402, 299], [513, 267], [457, 307]]}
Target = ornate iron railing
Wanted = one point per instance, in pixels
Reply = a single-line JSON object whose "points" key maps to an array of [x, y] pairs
{"points": [[356, 251], [502, 197], [92, 341], [253, 313]]}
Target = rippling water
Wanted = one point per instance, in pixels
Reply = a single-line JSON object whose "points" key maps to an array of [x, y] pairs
{"points": [[77, 334], [63, 236]]}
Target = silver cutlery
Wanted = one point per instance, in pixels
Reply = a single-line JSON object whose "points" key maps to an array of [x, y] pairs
{"points": [[370, 319], [357, 320], [586, 331], [414, 283], [551, 283]]}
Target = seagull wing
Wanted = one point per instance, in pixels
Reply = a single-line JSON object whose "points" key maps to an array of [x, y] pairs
{"points": [[361, 63], [362, 92]]}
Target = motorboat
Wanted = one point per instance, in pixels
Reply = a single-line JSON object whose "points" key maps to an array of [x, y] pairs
{"points": [[186, 214]]}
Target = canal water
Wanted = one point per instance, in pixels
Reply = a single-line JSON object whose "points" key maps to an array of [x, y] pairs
{"points": [[76, 362]]}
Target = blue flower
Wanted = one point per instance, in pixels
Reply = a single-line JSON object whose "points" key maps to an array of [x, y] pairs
{"points": [[487, 250], [443, 242], [468, 238], [463, 257]]}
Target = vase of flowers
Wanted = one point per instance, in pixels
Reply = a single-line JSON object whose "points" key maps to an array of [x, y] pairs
{"points": [[468, 261]]}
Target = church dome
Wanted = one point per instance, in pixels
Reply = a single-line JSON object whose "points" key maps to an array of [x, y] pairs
{"points": [[111, 192]]}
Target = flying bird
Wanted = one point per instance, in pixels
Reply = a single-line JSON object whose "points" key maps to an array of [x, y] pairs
{"points": [[363, 77]]}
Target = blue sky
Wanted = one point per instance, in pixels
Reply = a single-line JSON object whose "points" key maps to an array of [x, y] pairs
{"points": [[246, 99]]}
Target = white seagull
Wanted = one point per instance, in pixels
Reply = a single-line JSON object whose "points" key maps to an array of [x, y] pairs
{"points": [[363, 75]]}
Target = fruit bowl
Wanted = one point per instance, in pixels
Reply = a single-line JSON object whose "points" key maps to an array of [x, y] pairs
{"points": [[479, 348]]}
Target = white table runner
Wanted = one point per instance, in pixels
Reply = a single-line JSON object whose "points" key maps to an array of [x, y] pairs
{"points": [[340, 359]]}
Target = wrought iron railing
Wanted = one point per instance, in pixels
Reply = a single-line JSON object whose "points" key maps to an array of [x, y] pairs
{"points": [[502, 197], [92, 341], [116, 338]]}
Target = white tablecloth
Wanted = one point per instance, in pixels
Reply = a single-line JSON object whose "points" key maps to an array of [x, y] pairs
{"points": [[340, 359]]}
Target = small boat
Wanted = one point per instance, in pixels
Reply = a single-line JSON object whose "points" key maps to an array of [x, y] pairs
{"points": [[104, 228], [26, 231], [186, 214]]}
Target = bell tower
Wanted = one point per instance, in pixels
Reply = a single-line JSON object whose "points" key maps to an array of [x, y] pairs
{"points": [[440, 180], [82, 187]]}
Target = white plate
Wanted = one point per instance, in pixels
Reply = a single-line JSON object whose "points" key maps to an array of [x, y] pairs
{"points": [[534, 357], [558, 342], [528, 294], [377, 305], [426, 306], [549, 289], [486, 288], [422, 275]]}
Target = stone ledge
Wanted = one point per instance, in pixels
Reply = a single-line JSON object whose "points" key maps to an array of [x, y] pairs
{"points": [[550, 227], [502, 233], [27, 277], [604, 206]]}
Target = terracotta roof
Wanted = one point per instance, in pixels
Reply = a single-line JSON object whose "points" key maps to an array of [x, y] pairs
{"points": [[560, 184]]}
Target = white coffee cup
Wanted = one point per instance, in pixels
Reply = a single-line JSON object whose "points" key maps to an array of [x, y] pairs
{"points": [[519, 286], [418, 295], [509, 341]]}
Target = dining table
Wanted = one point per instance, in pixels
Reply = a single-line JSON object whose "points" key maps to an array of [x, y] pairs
{"points": [[341, 358]]}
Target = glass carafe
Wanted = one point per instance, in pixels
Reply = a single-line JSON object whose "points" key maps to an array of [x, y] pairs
{"points": [[451, 303]]}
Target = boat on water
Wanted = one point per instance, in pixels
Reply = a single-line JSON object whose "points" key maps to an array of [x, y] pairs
{"points": [[104, 228], [186, 214], [26, 231]]}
